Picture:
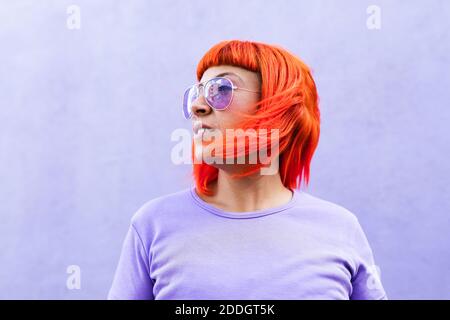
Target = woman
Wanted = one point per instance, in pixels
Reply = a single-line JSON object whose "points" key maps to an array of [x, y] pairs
{"points": [[240, 232]]}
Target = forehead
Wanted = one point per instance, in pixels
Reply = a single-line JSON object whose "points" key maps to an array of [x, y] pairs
{"points": [[235, 73]]}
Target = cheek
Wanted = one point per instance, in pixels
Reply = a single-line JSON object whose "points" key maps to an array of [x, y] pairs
{"points": [[227, 120], [230, 120], [245, 103]]}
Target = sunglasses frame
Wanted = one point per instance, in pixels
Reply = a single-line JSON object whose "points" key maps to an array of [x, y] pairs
{"points": [[202, 85]]}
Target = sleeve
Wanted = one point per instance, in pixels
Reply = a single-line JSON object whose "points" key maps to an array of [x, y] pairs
{"points": [[132, 277], [366, 280]]}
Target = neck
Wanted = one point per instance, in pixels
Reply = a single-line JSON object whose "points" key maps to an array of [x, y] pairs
{"points": [[252, 193]]}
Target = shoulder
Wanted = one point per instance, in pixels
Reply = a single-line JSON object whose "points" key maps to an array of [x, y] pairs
{"points": [[336, 223], [325, 210], [165, 205]]}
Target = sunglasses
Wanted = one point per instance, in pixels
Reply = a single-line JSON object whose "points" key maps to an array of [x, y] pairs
{"points": [[218, 93]]}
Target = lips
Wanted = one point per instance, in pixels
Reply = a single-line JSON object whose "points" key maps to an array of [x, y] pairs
{"points": [[198, 126]]}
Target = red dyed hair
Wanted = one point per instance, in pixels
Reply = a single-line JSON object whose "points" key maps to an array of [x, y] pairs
{"points": [[288, 102]]}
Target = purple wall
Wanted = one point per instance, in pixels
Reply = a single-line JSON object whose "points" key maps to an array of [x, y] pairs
{"points": [[86, 117]]}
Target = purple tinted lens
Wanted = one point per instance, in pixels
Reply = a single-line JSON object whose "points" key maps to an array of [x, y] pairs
{"points": [[190, 95], [219, 92], [186, 102]]}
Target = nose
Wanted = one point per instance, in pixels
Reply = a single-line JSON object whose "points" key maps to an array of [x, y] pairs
{"points": [[200, 107]]}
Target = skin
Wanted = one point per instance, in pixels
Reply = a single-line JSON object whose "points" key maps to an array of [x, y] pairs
{"points": [[256, 192]]}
